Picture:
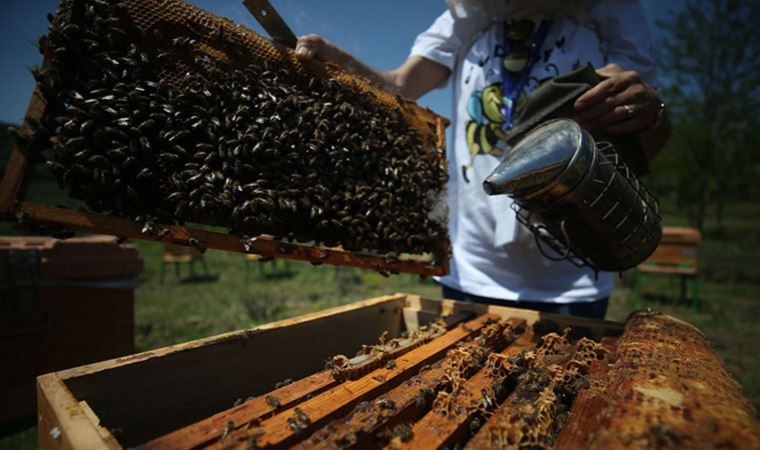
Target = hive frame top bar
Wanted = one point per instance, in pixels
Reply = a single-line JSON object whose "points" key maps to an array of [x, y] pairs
{"points": [[16, 179]]}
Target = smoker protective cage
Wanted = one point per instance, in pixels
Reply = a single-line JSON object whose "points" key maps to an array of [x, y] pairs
{"points": [[625, 214], [221, 40], [579, 197]]}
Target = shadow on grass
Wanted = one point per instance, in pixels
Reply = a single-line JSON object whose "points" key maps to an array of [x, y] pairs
{"points": [[283, 275], [666, 300], [200, 279]]}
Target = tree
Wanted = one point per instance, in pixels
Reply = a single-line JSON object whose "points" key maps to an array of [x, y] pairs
{"points": [[709, 60]]}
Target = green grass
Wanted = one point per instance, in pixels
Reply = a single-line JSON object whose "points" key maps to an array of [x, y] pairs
{"points": [[25, 439], [179, 310]]}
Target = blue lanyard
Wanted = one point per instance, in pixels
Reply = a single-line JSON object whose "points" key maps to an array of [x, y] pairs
{"points": [[514, 82]]}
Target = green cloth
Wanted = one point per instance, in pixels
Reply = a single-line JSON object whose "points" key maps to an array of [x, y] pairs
{"points": [[555, 98]]}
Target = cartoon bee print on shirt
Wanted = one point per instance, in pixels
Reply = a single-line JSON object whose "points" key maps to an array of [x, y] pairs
{"points": [[485, 135]]}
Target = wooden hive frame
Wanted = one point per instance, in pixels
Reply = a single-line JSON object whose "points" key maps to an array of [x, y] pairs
{"points": [[16, 180]]}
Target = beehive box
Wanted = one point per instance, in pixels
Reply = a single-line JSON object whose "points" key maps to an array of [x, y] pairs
{"points": [[488, 377], [158, 114], [64, 304]]}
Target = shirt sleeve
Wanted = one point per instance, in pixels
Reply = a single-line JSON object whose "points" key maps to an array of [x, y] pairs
{"points": [[624, 33], [444, 39]]}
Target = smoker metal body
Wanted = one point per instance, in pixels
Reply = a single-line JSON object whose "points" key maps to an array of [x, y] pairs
{"points": [[578, 197]]}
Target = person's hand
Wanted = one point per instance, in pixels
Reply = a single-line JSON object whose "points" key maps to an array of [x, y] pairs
{"points": [[313, 46], [622, 103], [412, 79]]}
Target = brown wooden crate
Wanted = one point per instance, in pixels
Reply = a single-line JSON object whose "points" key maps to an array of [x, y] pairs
{"points": [[79, 258], [67, 327], [194, 380], [681, 234], [680, 253], [55, 315]]}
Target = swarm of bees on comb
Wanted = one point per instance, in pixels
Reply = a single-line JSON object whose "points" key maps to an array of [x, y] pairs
{"points": [[494, 382], [148, 124]]}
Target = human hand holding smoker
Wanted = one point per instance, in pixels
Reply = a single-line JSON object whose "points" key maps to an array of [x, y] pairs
{"points": [[621, 104]]}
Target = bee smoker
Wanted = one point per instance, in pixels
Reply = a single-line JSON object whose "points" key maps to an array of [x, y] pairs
{"points": [[578, 197]]}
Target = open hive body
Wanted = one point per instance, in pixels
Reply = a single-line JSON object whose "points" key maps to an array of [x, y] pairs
{"points": [[486, 377], [163, 114]]}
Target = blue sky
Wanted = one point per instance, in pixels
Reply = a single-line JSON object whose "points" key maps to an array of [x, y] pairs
{"points": [[378, 32]]}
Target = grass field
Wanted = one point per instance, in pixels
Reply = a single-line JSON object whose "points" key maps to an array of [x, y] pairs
{"points": [[180, 309]]}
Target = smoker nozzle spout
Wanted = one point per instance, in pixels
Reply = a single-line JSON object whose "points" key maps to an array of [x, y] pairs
{"points": [[498, 182], [538, 159]]}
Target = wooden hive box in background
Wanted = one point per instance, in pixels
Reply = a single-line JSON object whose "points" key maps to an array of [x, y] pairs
{"points": [[64, 303]]}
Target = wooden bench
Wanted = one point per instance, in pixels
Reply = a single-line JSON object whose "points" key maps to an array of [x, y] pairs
{"points": [[675, 255], [180, 254], [262, 261]]}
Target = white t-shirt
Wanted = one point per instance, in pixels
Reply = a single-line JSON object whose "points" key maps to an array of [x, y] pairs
{"points": [[493, 255]]}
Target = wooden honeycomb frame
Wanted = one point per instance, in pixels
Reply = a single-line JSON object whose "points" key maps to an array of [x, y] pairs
{"points": [[17, 176]]}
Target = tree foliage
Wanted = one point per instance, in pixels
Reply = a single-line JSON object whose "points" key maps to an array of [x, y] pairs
{"points": [[709, 59]]}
